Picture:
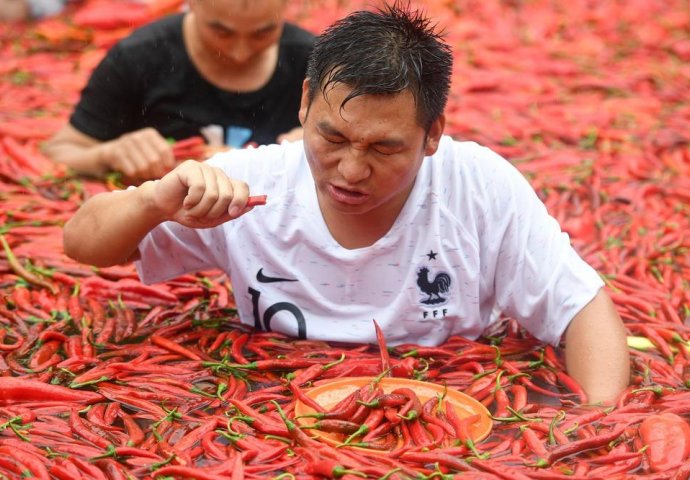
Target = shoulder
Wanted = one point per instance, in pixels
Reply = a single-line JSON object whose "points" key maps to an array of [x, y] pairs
{"points": [[469, 161], [464, 173], [155, 34], [297, 36], [149, 50], [265, 165]]}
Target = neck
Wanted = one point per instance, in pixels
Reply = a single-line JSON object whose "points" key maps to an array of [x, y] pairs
{"points": [[354, 231]]}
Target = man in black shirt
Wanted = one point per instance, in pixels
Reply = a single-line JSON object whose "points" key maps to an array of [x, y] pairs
{"points": [[230, 70]]}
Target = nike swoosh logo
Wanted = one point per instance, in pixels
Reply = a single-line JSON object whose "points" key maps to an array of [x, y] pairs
{"points": [[261, 278]]}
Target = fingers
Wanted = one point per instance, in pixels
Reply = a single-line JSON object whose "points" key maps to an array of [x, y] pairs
{"points": [[209, 197], [142, 154]]}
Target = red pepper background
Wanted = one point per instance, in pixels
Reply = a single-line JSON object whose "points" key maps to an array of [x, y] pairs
{"points": [[591, 100]]}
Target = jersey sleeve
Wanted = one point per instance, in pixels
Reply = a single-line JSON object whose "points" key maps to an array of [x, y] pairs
{"points": [[171, 250], [539, 279], [106, 107]]}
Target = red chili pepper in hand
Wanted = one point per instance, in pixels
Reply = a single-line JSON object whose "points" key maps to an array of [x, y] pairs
{"points": [[257, 200], [668, 437]]}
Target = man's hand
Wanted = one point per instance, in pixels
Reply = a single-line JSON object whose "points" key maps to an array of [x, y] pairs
{"points": [[198, 195], [142, 154], [107, 229]]}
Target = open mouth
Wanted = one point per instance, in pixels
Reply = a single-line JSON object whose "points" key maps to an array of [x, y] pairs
{"points": [[344, 195]]}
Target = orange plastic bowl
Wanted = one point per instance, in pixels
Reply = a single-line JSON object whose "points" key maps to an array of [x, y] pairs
{"points": [[329, 393]]}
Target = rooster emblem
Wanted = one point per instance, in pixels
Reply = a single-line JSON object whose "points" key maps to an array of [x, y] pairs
{"points": [[440, 284]]}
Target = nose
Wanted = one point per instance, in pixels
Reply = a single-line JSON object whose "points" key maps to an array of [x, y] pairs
{"points": [[240, 52], [353, 166]]}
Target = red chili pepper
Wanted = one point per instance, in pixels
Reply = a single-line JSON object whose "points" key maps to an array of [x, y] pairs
{"points": [[519, 396], [534, 443], [362, 411], [335, 426], [80, 428], [174, 347], [22, 272], [18, 342], [35, 464], [570, 383], [502, 402], [404, 368], [382, 429], [194, 436], [304, 398], [420, 435], [257, 200], [668, 437], [372, 421], [13, 465], [330, 469], [413, 408], [499, 470], [383, 349], [385, 442], [64, 470], [259, 421], [585, 444], [45, 356], [212, 449], [430, 418], [441, 458], [114, 470], [14, 390], [180, 471]]}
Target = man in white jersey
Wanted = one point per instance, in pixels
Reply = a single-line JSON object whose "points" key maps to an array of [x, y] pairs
{"points": [[375, 215]]}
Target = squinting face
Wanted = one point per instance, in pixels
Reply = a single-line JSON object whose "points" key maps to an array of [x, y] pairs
{"points": [[364, 158], [238, 31]]}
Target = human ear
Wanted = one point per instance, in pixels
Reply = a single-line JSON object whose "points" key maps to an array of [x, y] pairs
{"points": [[304, 103], [433, 136]]}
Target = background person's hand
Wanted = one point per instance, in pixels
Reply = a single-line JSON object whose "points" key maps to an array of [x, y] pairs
{"points": [[142, 154], [14, 10], [291, 136], [198, 195]]}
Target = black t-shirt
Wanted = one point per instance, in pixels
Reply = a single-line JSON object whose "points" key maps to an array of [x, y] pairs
{"points": [[148, 80]]}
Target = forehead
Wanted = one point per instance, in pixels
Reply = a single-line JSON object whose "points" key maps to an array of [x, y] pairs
{"points": [[247, 14], [366, 106], [366, 118]]}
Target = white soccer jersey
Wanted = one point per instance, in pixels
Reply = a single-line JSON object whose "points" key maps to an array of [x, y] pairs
{"points": [[473, 239]]}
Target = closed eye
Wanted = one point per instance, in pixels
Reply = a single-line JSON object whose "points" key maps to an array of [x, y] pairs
{"points": [[386, 151], [334, 140]]}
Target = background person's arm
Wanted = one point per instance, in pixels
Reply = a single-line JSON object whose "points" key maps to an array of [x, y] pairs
{"points": [[142, 154], [596, 350]]}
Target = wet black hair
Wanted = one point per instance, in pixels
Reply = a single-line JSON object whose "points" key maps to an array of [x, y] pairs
{"points": [[384, 52]]}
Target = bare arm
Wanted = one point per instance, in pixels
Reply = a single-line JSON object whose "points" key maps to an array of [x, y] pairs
{"points": [[596, 350], [107, 229], [143, 154]]}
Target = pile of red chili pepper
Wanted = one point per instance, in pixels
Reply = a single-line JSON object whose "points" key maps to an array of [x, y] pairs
{"points": [[102, 377]]}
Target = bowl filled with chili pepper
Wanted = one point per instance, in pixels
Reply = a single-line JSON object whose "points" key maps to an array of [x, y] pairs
{"points": [[385, 414]]}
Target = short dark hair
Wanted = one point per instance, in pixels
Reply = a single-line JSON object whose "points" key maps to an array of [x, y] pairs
{"points": [[384, 52]]}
